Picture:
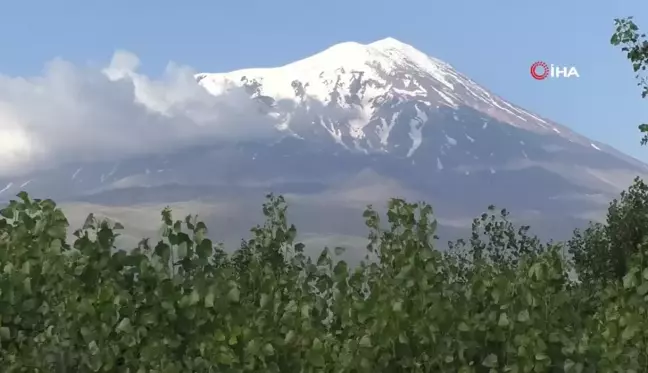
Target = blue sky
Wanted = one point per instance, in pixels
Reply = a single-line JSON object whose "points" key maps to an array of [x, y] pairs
{"points": [[493, 42]]}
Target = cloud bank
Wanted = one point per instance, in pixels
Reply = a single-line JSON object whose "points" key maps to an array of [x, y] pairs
{"points": [[72, 113]]}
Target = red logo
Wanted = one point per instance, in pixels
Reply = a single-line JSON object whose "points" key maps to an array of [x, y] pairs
{"points": [[539, 70]]}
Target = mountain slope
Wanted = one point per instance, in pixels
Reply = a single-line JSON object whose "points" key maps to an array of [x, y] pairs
{"points": [[388, 97], [415, 125]]}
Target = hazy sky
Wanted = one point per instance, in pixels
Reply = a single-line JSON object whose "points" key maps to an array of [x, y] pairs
{"points": [[493, 42]]}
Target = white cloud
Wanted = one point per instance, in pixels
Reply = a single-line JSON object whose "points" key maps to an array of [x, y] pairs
{"points": [[71, 113]]}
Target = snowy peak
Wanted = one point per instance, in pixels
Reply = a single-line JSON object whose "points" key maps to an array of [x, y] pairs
{"points": [[390, 43], [387, 56], [386, 65], [372, 97], [399, 51], [388, 52], [348, 55]]}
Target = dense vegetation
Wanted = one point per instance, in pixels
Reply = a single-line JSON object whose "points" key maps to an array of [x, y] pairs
{"points": [[500, 301]]}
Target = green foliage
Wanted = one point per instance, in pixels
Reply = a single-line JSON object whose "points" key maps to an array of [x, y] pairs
{"points": [[497, 240], [602, 252], [500, 301], [635, 45]]}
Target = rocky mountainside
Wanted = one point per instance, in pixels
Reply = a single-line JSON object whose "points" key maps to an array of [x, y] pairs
{"points": [[356, 124]]}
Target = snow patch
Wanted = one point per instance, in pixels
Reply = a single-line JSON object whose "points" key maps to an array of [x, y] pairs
{"points": [[384, 129], [451, 140], [6, 188], [336, 133], [416, 130], [76, 173]]}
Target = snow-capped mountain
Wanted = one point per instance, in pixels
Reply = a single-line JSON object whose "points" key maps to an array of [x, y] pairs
{"points": [[383, 109], [359, 94]]}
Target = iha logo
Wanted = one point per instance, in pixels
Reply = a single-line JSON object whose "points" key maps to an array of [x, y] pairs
{"points": [[541, 70]]}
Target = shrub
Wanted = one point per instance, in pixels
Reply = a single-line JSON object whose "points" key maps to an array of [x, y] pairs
{"points": [[185, 305]]}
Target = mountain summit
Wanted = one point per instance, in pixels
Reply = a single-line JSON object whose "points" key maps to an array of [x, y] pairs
{"points": [[358, 123], [358, 93]]}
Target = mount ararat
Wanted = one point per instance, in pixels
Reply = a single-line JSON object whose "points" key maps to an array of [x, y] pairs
{"points": [[357, 124]]}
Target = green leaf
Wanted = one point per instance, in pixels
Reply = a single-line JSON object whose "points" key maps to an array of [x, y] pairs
{"points": [[89, 221], [219, 336], [5, 333], [642, 289], [503, 320], [268, 349], [7, 213], [290, 337], [629, 280], [209, 300], [490, 361], [124, 326], [205, 248], [225, 357], [194, 297], [57, 231], [568, 365], [264, 300], [234, 295], [629, 332], [365, 341]]}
